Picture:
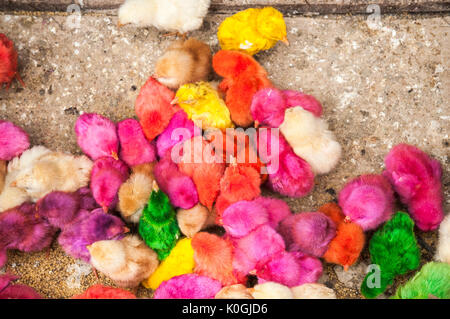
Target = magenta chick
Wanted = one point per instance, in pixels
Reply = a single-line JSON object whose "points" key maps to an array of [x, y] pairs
{"points": [[13, 140], [188, 286], [416, 178]]}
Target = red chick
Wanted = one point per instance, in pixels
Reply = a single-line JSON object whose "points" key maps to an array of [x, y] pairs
{"points": [[154, 109], [8, 62], [243, 77]]}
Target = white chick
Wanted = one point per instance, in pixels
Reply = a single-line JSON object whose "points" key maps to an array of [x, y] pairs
{"points": [[134, 195], [310, 139], [44, 171], [12, 195], [271, 290], [313, 291], [238, 291], [127, 261], [179, 16], [443, 249]]}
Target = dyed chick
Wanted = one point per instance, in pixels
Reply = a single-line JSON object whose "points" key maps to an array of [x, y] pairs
{"points": [[39, 171], [59, 208], [432, 281], [180, 16], [345, 248], [134, 147], [127, 261], [213, 257], [395, 252], [107, 176], [180, 261], [269, 105], [443, 248], [367, 200], [252, 30], [97, 136], [185, 61], [23, 229], [87, 228], [153, 108], [8, 62], [16, 291], [180, 129], [188, 286], [134, 195], [416, 178], [158, 225], [243, 77], [178, 186], [200, 162], [13, 140], [203, 105], [309, 232], [104, 292], [289, 174], [310, 139]]}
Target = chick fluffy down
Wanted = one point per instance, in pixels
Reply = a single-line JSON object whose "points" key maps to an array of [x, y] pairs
{"points": [[271, 290], [127, 261], [169, 15], [134, 195], [310, 139], [313, 291], [443, 249]]}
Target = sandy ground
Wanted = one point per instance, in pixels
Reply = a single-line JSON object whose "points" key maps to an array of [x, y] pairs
{"points": [[379, 87]]}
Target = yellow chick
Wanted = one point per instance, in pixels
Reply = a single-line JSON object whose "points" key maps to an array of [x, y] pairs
{"points": [[179, 262], [252, 30], [204, 106]]}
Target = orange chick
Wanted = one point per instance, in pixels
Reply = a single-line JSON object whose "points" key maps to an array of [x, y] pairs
{"points": [[185, 61], [346, 247], [213, 257], [154, 109], [243, 77]]}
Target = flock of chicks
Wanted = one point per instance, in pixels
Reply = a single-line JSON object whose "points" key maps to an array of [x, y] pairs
{"points": [[176, 202]]}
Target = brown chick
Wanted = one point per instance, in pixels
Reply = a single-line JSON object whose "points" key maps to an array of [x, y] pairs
{"points": [[146, 169], [2, 174], [134, 195], [184, 62], [127, 261], [192, 220]]}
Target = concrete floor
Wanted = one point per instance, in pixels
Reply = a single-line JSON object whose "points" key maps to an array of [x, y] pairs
{"points": [[379, 87]]}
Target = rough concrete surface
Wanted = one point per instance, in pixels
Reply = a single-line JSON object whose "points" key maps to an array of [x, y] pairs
{"points": [[379, 87]]}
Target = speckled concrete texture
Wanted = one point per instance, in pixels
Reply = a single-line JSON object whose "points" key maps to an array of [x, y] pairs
{"points": [[379, 87]]}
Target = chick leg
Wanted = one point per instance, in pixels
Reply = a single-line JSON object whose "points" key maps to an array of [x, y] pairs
{"points": [[96, 274], [170, 34]]}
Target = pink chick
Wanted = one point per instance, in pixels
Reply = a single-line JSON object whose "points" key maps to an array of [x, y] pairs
{"points": [[291, 269], [188, 286], [23, 229], [307, 102], [13, 140], [367, 200], [11, 291], [179, 187], [289, 174], [277, 209], [416, 178], [97, 136], [309, 232], [268, 106], [135, 149], [59, 208], [107, 176], [180, 129], [258, 247], [88, 228], [242, 217]]}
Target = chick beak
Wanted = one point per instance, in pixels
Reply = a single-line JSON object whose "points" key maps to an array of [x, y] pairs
{"points": [[114, 155], [119, 25], [256, 124], [155, 186], [105, 209], [251, 290], [346, 267], [13, 184], [347, 219], [126, 230], [174, 101], [285, 41]]}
